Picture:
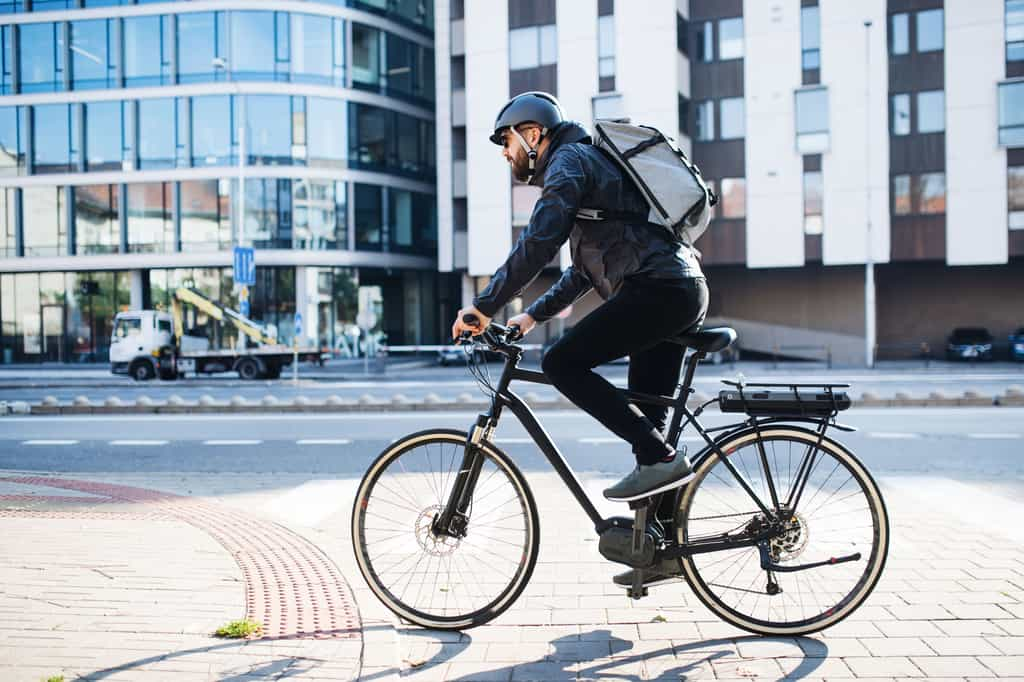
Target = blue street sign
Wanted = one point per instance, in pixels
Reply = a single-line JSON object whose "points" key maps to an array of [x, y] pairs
{"points": [[298, 324], [245, 266], [243, 307]]}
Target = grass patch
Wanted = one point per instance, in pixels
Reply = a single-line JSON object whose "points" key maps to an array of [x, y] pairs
{"points": [[55, 678], [239, 629]]}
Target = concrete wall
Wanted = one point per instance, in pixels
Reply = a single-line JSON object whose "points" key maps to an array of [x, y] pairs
{"points": [[443, 114], [976, 221], [645, 62]]}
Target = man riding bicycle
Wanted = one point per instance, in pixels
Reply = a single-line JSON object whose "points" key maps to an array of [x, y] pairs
{"points": [[653, 285]]}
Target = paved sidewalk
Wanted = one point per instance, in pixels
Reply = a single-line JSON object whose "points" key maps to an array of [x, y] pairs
{"points": [[109, 584]]}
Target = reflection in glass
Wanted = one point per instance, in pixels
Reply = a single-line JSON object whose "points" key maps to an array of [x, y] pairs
{"points": [[734, 197], [7, 223], [368, 216], [93, 59], [1014, 30], [930, 31], [44, 221], [732, 114], [53, 131], [705, 120], [150, 225], [1011, 114], [705, 40], [205, 215], [319, 214], [268, 135], [41, 68], [1015, 196], [730, 38], [268, 213], [901, 195], [212, 130], [97, 229], [814, 191], [6, 60], [371, 136], [365, 56], [148, 42], [103, 135], [252, 56], [327, 131], [202, 41], [931, 111], [931, 193], [899, 33], [810, 37], [156, 133], [12, 143], [900, 114], [312, 48]]}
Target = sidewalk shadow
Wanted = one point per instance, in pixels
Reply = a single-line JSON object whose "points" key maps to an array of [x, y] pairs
{"points": [[572, 654]]}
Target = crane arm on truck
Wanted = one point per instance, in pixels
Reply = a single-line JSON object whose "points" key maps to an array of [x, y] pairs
{"points": [[218, 312]]}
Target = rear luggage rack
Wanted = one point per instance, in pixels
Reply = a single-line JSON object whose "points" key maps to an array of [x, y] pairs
{"points": [[819, 400]]}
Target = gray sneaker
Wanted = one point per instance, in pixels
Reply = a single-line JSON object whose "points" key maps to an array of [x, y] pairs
{"points": [[647, 479], [665, 571]]}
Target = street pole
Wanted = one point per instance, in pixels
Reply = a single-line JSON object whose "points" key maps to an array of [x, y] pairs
{"points": [[241, 167], [869, 261]]}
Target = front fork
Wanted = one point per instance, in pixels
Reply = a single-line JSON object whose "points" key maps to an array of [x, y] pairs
{"points": [[452, 521]]}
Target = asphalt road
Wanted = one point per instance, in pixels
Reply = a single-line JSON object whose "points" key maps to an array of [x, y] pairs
{"points": [[985, 444]]}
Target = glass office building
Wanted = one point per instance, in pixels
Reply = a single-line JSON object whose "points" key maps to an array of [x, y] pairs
{"points": [[141, 141]]}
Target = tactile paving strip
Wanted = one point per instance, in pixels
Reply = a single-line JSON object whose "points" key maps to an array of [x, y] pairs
{"points": [[291, 586]]}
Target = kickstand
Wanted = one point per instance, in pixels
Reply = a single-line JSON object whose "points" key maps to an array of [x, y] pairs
{"points": [[637, 591]]}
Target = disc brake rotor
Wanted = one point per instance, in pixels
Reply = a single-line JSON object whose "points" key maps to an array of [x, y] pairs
{"points": [[436, 545]]}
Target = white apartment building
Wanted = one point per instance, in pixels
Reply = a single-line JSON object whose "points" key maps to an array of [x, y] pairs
{"points": [[838, 134]]}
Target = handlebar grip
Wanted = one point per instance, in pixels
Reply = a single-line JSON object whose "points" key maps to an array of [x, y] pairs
{"points": [[470, 318]]}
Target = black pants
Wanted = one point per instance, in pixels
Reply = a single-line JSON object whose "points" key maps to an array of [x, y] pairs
{"points": [[634, 322]]}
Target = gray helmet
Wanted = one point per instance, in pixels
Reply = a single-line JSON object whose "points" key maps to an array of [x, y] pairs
{"points": [[538, 107]]}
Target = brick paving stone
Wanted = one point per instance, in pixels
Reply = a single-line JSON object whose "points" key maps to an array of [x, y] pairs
{"points": [[804, 668], [832, 647], [747, 668], [1004, 666], [922, 612], [544, 671], [881, 666], [953, 666], [911, 628], [976, 611], [961, 646], [897, 646], [1011, 646], [969, 628]]}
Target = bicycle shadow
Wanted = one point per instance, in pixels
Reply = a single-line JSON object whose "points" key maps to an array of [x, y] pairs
{"points": [[599, 655]]}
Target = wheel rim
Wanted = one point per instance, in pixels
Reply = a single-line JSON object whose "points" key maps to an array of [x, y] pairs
{"points": [[839, 514], [434, 580]]}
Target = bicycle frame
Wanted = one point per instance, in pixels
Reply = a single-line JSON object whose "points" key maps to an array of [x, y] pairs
{"points": [[453, 521]]}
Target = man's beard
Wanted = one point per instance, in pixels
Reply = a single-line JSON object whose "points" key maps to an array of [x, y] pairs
{"points": [[521, 170]]}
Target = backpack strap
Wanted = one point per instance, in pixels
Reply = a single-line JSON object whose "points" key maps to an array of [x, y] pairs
{"points": [[599, 214]]}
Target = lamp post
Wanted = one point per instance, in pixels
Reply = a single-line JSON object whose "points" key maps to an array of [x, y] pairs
{"points": [[869, 264]]}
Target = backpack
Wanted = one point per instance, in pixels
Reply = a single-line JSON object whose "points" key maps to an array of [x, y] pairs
{"points": [[678, 197]]}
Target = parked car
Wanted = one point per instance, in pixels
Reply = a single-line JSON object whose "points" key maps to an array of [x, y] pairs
{"points": [[1017, 345], [459, 355], [969, 343]]}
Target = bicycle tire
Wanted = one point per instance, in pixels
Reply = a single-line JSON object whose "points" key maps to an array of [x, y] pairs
{"points": [[425, 615], [865, 583]]}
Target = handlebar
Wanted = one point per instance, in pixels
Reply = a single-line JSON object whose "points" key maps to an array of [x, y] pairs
{"points": [[497, 336]]}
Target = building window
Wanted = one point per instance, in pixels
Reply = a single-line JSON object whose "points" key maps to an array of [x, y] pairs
{"points": [[899, 34], [54, 138], [705, 42], [212, 130], [44, 221], [369, 217], [366, 57], [682, 28], [606, 52], [12, 140], [931, 111], [156, 130], [923, 194], [42, 57], [319, 215], [327, 131], [899, 114], [733, 199], [458, 73], [252, 54], [205, 215], [148, 42], [1015, 196], [97, 228], [150, 227], [7, 223], [730, 38], [814, 191], [1014, 30], [7, 59], [683, 114], [268, 135], [608, 107], [704, 119], [93, 54], [532, 46], [1011, 114], [812, 121], [202, 46], [732, 123], [104, 135], [810, 38], [268, 213], [930, 31]]}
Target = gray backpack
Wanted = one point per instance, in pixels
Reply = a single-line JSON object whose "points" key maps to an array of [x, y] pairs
{"points": [[679, 198]]}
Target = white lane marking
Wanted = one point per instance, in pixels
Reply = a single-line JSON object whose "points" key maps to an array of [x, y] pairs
{"points": [[138, 442], [995, 436], [232, 442], [601, 441], [508, 441], [323, 441], [49, 442], [893, 436]]}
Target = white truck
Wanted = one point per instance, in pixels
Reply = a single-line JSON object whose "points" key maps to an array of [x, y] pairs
{"points": [[153, 343]]}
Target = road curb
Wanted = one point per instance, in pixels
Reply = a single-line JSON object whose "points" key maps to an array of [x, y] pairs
{"points": [[431, 402]]}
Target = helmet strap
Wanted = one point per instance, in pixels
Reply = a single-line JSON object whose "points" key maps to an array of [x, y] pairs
{"points": [[531, 152]]}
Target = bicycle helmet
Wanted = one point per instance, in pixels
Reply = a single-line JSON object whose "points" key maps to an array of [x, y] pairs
{"points": [[529, 107]]}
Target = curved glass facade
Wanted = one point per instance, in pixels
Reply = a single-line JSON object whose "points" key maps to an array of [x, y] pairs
{"points": [[327, 119]]}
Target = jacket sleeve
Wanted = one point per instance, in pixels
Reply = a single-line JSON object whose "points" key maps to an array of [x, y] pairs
{"points": [[569, 288], [553, 216]]}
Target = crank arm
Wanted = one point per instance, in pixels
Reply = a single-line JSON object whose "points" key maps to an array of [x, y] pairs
{"points": [[768, 565]]}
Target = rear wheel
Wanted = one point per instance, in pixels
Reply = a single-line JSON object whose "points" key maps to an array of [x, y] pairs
{"points": [[248, 369], [435, 580], [142, 370], [840, 513]]}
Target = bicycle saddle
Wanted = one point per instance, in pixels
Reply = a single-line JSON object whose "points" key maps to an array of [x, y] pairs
{"points": [[708, 340]]}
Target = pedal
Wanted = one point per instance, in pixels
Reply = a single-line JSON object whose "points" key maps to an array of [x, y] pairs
{"points": [[639, 528], [637, 591]]}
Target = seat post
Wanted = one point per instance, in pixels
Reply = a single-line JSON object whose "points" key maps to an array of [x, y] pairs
{"points": [[691, 369], [684, 394]]}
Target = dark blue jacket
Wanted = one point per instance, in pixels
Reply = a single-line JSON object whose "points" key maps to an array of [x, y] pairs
{"points": [[574, 175]]}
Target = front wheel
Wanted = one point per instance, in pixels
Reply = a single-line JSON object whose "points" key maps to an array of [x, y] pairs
{"points": [[433, 580], [840, 513]]}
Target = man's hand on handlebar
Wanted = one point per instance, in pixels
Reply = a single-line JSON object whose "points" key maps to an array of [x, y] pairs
{"points": [[524, 321], [469, 320]]}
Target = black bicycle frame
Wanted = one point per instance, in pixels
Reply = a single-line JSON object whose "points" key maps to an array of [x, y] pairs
{"points": [[452, 519]]}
